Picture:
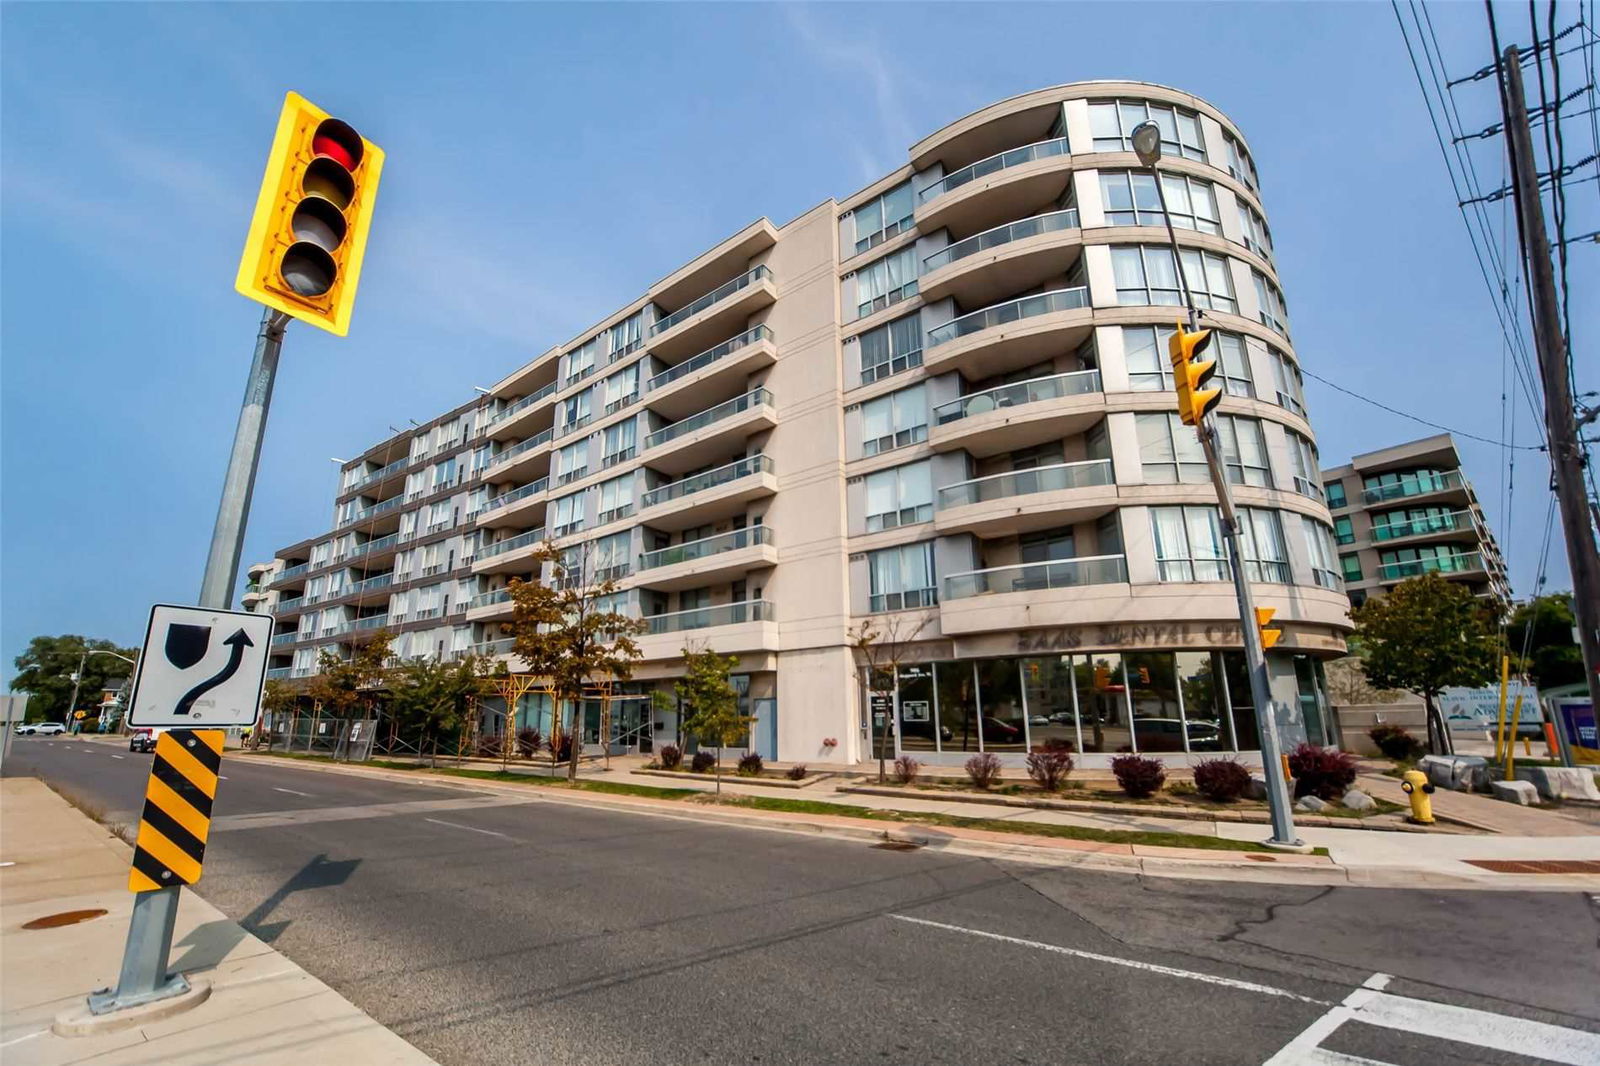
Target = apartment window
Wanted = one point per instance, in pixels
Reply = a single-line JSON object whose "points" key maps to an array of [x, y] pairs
{"points": [[1257, 237], [1426, 559], [895, 420], [1047, 545], [619, 442], [408, 524], [1286, 377], [1273, 311], [902, 578], [1391, 524], [624, 337], [1406, 482], [477, 499], [1150, 367], [438, 516], [888, 281], [901, 496], [416, 485], [1240, 165], [431, 556], [1146, 274], [891, 348], [572, 462], [419, 446], [611, 556], [1335, 494], [1244, 450], [1350, 567], [1169, 451], [348, 510], [1343, 530], [879, 219], [1319, 548], [616, 498], [1112, 123], [1188, 542], [576, 410], [1261, 542], [444, 473], [580, 361], [1303, 461], [1131, 199], [482, 456], [566, 515], [622, 388]]}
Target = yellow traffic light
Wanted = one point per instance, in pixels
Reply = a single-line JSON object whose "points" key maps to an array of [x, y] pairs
{"points": [[1190, 374], [303, 253], [1270, 634]]}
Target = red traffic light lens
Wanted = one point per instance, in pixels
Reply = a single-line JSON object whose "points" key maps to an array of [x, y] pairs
{"points": [[337, 141], [307, 269], [318, 222], [329, 180]]}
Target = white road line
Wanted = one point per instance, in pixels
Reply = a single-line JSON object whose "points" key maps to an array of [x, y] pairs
{"points": [[468, 828], [291, 791], [25, 1036], [119, 756], [1132, 964]]}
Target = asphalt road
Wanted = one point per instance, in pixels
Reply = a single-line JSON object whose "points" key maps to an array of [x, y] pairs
{"points": [[493, 931]]}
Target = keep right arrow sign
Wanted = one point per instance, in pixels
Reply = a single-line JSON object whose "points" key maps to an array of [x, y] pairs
{"points": [[188, 678]]}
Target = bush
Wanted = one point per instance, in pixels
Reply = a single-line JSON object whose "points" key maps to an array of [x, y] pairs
{"points": [[490, 746], [906, 770], [1396, 743], [671, 757], [702, 762], [1049, 766], [1221, 780], [529, 742], [1326, 773], [563, 753], [1139, 776], [984, 770], [797, 772], [750, 764]]}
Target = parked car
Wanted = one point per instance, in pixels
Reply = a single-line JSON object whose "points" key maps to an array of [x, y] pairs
{"points": [[142, 740], [44, 729]]}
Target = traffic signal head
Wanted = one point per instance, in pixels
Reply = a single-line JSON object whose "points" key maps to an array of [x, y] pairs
{"points": [[1190, 374], [303, 254], [1270, 634]]}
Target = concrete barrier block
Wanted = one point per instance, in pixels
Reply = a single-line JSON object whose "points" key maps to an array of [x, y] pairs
{"points": [[1561, 782], [1459, 773], [1521, 792]]}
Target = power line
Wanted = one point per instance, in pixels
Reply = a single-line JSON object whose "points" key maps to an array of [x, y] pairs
{"points": [[1418, 418]]}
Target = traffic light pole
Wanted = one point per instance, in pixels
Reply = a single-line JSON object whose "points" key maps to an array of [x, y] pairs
{"points": [[144, 976], [1255, 658]]}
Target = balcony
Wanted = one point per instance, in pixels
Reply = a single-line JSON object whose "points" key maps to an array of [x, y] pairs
{"points": [[280, 640], [1011, 335], [726, 628], [519, 507], [708, 496], [371, 551], [1011, 258], [724, 309], [509, 555], [727, 614], [527, 456], [1458, 522], [702, 437], [496, 603], [515, 420], [1414, 485], [1020, 415], [1024, 500], [291, 606], [1038, 577], [371, 584], [1059, 592], [394, 469], [724, 556], [983, 194], [280, 673], [371, 515], [677, 392], [1462, 564], [284, 577]]}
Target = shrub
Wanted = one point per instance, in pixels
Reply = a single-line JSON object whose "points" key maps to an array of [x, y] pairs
{"points": [[1139, 776], [529, 742], [1049, 766], [906, 770], [1326, 773], [1396, 743], [1221, 780], [490, 746], [702, 762], [671, 757], [750, 764], [797, 772], [564, 752], [984, 770]]}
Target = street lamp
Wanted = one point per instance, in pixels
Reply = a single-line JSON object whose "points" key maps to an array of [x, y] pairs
{"points": [[77, 678], [1146, 138]]}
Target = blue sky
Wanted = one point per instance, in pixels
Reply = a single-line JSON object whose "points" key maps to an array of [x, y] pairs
{"points": [[547, 162]]}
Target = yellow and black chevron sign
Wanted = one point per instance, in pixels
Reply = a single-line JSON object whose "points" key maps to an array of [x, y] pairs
{"points": [[177, 810]]}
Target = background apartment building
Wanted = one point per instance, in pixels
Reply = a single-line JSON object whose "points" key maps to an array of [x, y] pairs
{"points": [[946, 397], [1409, 510]]}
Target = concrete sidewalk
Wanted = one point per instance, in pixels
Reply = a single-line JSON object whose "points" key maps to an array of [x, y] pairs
{"points": [[1479, 811], [263, 1009]]}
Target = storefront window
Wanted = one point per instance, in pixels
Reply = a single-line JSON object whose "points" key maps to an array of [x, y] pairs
{"points": [[917, 722], [1311, 700], [1157, 718], [1202, 702], [1000, 699], [1052, 712], [1244, 711], [1103, 703], [958, 707]]}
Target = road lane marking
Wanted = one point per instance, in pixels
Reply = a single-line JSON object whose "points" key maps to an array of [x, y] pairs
{"points": [[1132, 964], [468, 828], [402, 808], [291, 791], [119, 756]]}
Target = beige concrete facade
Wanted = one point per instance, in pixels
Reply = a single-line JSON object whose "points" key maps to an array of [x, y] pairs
{"points": [[1406, 510], [944, 396]]}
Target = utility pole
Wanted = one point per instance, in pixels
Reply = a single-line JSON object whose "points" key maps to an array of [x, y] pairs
{"points": [[1561, 427]]}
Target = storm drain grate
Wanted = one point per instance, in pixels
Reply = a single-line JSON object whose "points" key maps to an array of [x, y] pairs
{"points": [[1537, 866]]}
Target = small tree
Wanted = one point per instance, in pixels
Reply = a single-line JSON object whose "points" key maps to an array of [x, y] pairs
{"points": [[883, 644], [44, 672], [346, 688], [710, 704], [1426, 635], [430, 696], [1544, 625]]}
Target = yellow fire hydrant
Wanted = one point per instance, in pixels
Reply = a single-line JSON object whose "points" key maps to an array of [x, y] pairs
{"points": [[1415, 783]]}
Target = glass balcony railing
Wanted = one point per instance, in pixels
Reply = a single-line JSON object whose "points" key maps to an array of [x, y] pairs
{"points": [[521, 540], [289, 606], [710, 479], [294, 571], [372, 584], [494, 647], [1036, 577], [394, 503], [706, 547], [993, 238], [370, 546], [1076, 383], [490, 598], [280, 639], [1026, 482], [707, 357], [1464, 562], [378, 475], [737, 405], [999, 161], [717, 295], [516, 494], [1414, 485], [1043, 303], [727, 614], [1416, 527], [524, 403], [280, 673], [542, 437], [376, 621]]}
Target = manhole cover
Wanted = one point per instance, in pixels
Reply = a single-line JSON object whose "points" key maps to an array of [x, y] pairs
{"points": [[897, 845], [51, 921], [1537, 866]]}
